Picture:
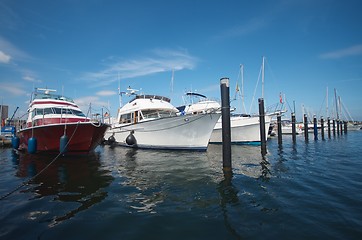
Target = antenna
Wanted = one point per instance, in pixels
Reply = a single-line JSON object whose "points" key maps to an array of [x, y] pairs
{"points": [[46, 90]]}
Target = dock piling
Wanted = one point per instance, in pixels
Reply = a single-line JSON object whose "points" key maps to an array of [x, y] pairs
{"points": [[322, 128], [337, 126], [226, 129], [262, 126], [305, 127], [315, 128], [294, 133], [279, 123]]}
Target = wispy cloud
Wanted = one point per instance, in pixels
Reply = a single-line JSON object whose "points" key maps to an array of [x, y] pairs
{"points": [[10, 50], [243, 29], [341, 53], [4, 58], [106, 93], [12, 89], [157, 61], [31, 79]]}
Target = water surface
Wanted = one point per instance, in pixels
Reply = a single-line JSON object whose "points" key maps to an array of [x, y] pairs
{"points": [[297, 191]]}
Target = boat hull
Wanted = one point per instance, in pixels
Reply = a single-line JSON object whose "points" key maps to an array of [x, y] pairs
{"points": [[83, 136], [243, 130], [188, 132], [288, 129]]}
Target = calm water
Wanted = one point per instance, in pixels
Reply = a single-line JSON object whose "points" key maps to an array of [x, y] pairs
{"points": [[304, 191]]}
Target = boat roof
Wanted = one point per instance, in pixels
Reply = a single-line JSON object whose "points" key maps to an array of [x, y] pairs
{"points": [[148, 102], [195, 94]]}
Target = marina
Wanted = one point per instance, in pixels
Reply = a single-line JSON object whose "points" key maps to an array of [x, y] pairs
{"points": [[114, 124], [298, 191]]}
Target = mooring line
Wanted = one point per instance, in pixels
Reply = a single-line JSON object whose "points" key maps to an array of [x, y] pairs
{"points": [[46, 167]]}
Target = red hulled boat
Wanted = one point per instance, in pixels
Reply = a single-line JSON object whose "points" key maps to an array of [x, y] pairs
{"points": [[54, 119]]}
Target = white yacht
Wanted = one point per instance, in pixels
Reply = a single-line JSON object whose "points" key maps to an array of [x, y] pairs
{"points": [[151, 121]]}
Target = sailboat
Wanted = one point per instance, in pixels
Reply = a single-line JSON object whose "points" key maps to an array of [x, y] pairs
{"points": [[245, 128], [342, 110]]}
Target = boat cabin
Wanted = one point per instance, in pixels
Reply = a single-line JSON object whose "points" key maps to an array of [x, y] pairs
{"points": [[146, 107]]}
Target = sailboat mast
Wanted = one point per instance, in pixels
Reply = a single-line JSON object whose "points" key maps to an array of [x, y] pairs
{"points": [[119, 91], [171, 84], [335, 96], [262, 79], [340, 106], [242, 87], [327, 115]]}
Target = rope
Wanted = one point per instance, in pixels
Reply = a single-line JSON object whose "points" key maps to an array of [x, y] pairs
{"points": [[96, 125], [46, 167]]}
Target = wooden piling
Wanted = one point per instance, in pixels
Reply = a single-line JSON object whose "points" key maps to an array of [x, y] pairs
{"points": [[279, 123], [305, 127], [226, 129], [322, 128], [294, 132], [262, 126], [329, 127], [315, 128], [341, 123], [337, 126]]}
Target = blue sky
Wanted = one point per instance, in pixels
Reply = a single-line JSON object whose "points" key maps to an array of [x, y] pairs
{"points": [[83, 48]]}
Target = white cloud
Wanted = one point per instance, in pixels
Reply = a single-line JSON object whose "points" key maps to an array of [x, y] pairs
{"points": [[346, 52], [31, 79], [4, 58], [161, 60], [14, 90], [106, 93], [13, 51]]}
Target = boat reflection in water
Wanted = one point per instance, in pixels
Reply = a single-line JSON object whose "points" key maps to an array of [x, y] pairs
{"points": [[153, 178], [77, 180]]}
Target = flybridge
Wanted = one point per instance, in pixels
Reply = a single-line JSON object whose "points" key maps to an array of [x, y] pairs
{"points": [[45, 93]]}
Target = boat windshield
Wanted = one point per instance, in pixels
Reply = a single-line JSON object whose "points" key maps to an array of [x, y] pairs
{"points": [[38, 95], [151, 97], [157, 113], [46, 111]]}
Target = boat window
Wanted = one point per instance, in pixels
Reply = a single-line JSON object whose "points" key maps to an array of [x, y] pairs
{"points": [[66, 111], [78, 113], [150, 114], [48, 111], [57, 110], [39, 111], [125, 118]]}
